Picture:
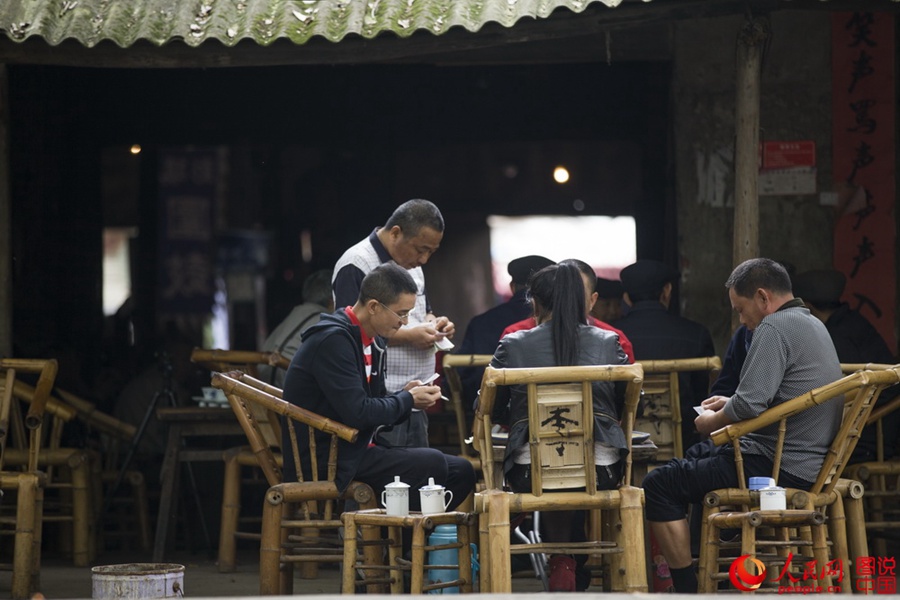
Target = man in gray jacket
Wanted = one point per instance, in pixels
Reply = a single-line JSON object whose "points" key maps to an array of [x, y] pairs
{"points": [[791, 354]]}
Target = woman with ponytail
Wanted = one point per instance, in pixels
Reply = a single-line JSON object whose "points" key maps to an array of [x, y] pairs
{"points": [[562, 338]]}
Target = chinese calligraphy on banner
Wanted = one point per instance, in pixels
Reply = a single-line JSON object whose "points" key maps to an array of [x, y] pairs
{"points": [[186, 195], [863, 140]]}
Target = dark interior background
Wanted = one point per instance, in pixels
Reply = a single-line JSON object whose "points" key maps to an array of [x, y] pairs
{"points": [[331, 150]]}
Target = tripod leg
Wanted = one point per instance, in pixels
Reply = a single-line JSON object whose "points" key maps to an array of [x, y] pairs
{"points": [[132, 450]]}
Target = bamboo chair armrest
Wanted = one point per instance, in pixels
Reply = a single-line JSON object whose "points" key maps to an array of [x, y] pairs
{"points": [[707, 363], [322, 490], [731, 432], [47, 369], [54, 406], [883, 377], [456, 361], [219, 360], [232, 383]]}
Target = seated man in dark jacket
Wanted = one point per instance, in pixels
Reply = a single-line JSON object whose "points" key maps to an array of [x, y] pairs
{"points": [[856, 341], [338, 373]]}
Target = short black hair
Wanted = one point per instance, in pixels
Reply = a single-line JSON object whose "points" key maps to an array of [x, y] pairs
{"points": [[413, 215], [317, 287], [385, 283], [757, 273]]}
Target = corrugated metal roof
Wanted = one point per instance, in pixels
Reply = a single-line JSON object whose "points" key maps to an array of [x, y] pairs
{"points": [[124, 22]]}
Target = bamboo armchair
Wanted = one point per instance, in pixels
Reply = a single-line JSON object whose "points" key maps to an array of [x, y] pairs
{"points": [[662, 401], [830, 498], [301, 518], [67, 490], [27, 483], [239, 458], [880, 478], [619, 535], [129, 515], [452, 362]]}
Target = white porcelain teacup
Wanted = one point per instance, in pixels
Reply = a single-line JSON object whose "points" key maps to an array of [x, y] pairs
{"points": [[434, 498], [395, 498]]}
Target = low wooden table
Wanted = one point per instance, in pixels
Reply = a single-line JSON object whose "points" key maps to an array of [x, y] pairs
{"points": [[392, 573], [185, 423]]}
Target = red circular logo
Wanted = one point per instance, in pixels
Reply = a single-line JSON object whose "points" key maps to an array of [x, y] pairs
{"points": [[741, 578]]}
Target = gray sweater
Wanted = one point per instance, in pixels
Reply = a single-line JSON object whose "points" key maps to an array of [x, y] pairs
{"points": [[791, 354]]}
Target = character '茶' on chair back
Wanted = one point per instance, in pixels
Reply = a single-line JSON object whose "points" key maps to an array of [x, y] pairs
{"points": [[661, 416], [561, 438]]}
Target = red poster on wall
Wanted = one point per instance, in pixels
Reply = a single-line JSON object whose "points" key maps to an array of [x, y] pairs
{"points": [[863, 141]]}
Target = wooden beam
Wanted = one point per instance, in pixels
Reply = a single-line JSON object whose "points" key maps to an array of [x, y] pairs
{"points": [[751, 42], [5, 219]]}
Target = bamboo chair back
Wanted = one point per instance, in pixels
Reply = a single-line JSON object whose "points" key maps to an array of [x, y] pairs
{"points": [[580, 375], [879, 412], [247, 362], [661, 416], [6, 401], [560, 404], [451, 364], [881, 477], [308, 506], [242, 390], [33, 419]]}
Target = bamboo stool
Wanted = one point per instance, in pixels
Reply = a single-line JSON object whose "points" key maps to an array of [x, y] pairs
{"points": [[380, 574]]}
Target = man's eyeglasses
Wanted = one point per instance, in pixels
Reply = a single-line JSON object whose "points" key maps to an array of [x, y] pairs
{"points": [[403, 317]]}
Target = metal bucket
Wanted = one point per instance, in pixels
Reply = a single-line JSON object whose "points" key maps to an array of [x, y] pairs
{"points": [[138, 580]]}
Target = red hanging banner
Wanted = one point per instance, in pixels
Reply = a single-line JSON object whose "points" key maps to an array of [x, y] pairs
{"points": [[863, 144]]}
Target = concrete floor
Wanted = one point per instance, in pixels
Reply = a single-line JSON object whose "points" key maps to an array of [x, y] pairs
{"points": [[60, 580]]}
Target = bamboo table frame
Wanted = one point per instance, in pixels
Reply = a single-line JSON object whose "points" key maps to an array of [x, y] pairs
{"points": [[185, 423]]}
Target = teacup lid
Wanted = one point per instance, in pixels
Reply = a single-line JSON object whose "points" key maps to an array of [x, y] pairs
{"points": [[757, 483], [431, 487], [397, 483]]}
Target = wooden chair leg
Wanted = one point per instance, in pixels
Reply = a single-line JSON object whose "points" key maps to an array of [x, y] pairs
{"points": [[27, 539], [632, 515], [81, 511], [465, 558], [270, 545], [285, 567], [141, 508], [394, 553], [417, 575], [498, 546], [484, 545], [837, 531], [348, 576], [231, 511], [709, 553], [857, 539]]}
